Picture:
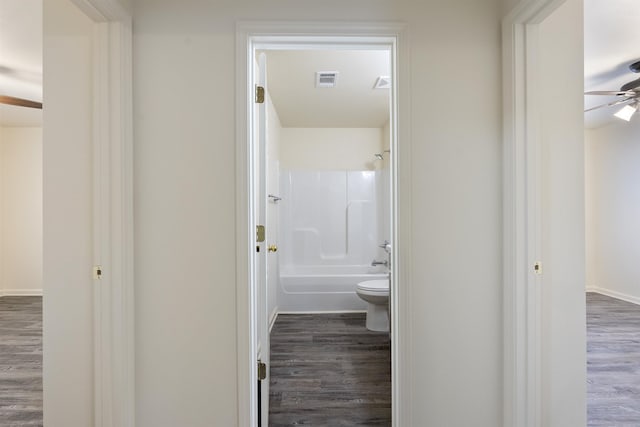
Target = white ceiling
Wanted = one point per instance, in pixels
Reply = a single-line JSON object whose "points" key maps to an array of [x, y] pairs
{"points": [[352, 103], [612, 42], [21, 59]]}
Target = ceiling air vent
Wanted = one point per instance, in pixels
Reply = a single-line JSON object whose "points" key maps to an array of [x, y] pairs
{"points": [[326, 78], [383, 82]]}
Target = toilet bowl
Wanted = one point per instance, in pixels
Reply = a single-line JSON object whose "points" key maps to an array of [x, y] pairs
{"points": [[376, 294]]}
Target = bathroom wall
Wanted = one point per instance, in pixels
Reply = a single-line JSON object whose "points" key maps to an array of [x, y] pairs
{"points": [[329, 214], [330, 148], [330, 217], [20, 211], [613, 208]]}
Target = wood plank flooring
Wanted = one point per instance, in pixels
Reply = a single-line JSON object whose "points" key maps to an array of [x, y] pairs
{"points": [[20, 361], [329, 370], [613, 362]]}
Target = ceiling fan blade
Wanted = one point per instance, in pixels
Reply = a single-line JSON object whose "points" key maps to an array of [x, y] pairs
{"points": [[631, 85], [611, 104], [611, 92], [20, 102]]}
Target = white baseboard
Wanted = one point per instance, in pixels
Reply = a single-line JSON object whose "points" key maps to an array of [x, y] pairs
{"points": [[272, 318], [20, 292], [614, 294], [322, 312], [276, 313]]}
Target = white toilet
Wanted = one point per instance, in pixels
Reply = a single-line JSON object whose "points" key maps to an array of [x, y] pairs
{"points": [[376, 294]]}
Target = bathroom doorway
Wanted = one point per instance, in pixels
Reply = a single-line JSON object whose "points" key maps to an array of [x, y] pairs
{"points": [[326, 147], [273, 179]]}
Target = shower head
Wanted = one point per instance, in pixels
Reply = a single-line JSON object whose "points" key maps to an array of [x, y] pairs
{"points": [[380, 156]]}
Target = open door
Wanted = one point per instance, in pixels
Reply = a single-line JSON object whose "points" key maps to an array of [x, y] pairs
{"points": [[257, 179], [260, 168]]}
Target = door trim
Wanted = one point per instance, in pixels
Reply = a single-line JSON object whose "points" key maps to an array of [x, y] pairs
{"points": [[522, 352], [310, 34], [113, 299]]}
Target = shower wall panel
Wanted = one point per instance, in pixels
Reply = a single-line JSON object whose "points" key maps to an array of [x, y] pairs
{"points": [[328, 218], [328, 236]]}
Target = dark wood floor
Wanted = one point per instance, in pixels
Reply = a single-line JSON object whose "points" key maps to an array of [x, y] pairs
{"points": [[613, 362], [20, 361], [329, 370]]}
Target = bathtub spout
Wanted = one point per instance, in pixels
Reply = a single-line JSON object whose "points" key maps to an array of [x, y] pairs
{"points": [[376, 263]]}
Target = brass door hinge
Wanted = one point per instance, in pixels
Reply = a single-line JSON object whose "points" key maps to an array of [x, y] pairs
{"points": [[262, 370], [259, 95], [260, 233]]}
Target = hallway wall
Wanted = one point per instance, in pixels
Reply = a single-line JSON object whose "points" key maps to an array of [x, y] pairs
{"points": [[562, 218], [185, 204], [68, 314]]}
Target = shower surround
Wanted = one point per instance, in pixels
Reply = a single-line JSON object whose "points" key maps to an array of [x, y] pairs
{"points": [[329, 230]]}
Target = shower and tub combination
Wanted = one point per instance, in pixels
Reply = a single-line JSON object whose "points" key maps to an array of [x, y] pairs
{"points": [[333, 238]]}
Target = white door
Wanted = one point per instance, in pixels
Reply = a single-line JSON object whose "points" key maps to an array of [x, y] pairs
{"points": [[260, 168]]}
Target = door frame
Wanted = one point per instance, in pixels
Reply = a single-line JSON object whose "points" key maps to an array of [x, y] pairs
{"points": [[249, 35], [522, 165], [112, 145]]}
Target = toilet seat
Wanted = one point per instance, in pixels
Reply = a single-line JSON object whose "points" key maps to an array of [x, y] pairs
{"points": [[380, 287]]}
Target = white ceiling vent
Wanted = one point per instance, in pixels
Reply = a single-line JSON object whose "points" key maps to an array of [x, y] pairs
{"points": [[326, 78], [383, 82]]}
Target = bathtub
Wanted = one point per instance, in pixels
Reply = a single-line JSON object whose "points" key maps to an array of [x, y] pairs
{"points": [[307, 289]]}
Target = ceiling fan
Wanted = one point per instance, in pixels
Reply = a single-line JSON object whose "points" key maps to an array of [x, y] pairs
{"points": [[629, 95], [20, 76], [20, 102]]}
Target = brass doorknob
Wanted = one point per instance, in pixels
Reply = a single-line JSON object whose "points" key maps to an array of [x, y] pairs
{"points": [[272, 248]]}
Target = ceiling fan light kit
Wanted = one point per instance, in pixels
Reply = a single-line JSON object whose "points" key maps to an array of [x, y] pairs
{"points": [[626, 112]]}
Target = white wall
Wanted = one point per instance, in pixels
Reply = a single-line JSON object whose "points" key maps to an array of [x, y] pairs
{"points": [[330, 148], [613, 194], [21, 206], [67, 227], [592, 190], [562, 219], [508, 5], [2, 285], [184, 96]]}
